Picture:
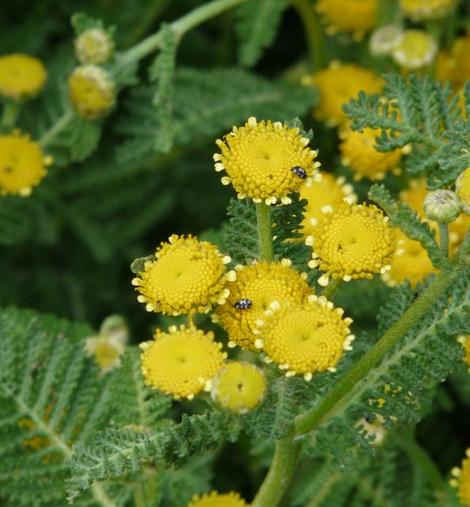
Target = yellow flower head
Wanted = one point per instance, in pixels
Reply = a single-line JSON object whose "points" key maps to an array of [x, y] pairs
{"points": [[326, 192], [461, 479], [91, 91], [108, 346], [305, 338], [415, 50], [411, 263], [419, 10], [462, 187], [22, 164], [356, 17], [352, 242], [454, 65], [239, 386], [186, 276], [337, 85], [21, 76], [94, 46], [265, 161], [182, 362], [215, 499], [256, 287], [358, 152]]}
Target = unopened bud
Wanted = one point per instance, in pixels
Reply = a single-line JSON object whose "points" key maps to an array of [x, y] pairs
{"points": [[94, 46], [415, 49], [384, 40], [442, 206]]}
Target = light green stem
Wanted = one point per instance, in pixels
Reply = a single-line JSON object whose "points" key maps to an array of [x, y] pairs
{"points": [[323, 411], [11, 111], [61, 124], [265, 239], [444, 238], [331, 288], [313, 32]]}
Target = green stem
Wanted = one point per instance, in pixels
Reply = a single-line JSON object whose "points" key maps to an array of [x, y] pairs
{"points": [[444, 238], [265, 239], [280, 473], [331, 288], [61, 124], [313, 32], [11, 111], [314, 417]]}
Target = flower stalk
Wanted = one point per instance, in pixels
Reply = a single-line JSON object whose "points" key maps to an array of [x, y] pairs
{"points": [[265, 240]]}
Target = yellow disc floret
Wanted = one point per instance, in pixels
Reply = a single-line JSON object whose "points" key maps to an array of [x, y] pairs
{"points": [[187, 275], [215, 499], [461, 480], [256, 287], [305, 338], [411, 263], [94, 46], [22, 164], [337, 85], [182, 362], [353, 242], [419, 10], [21, 76], [91, 91], [356, 17], [358, 152], [415, 50], [265, 161], [326, 192], [239, 386], [462, 187]]}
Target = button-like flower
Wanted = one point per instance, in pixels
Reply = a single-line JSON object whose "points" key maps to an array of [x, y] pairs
{"points": [[239, 386], [91, 91], [21, 76], [462, 187], [442, 206], [358, 152], [415, 50], [182, 362], [326, 192], [94, 46], [22, 164], [352, 242], [187, 275], [461, 479], [257, 285], [265, 161], [305, 338], [337, 85], [384, 40], [354, 17], [214, 499], [422, 10]]}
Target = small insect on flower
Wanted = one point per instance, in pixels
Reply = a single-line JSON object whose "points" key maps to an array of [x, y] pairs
{"points": [[21, 76], [461, 479], [243, 304], [214, 499], [298, 171]]}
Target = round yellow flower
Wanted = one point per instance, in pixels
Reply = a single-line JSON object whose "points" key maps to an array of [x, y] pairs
{"points": [[305, 338], [93, 46], [352, 242], [22, 164], [337, 85], [454, 65], [21, 76], [419, 10], [461, 479], [182, 362], [415, 50], [187, 275], [215, 499], [326, 192], [356, 17], [265, 161], [358, 153], [462, 187], [411, 263], [91, 91], [239, 386], [257, 285]]}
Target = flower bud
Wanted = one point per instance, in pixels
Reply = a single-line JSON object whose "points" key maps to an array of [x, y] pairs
{"points": [[384, 40], [442, 206], [462, 187], [91, 91], [415, 50], [94, 46]]}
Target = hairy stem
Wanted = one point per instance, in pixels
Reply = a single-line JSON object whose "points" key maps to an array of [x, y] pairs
{"points": [[313, 32], [52, 132], [314, 417], [265, 239], [444, 238], [280, 473]]}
